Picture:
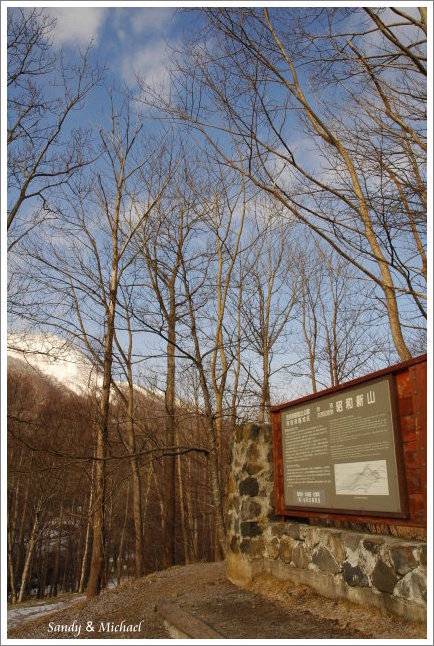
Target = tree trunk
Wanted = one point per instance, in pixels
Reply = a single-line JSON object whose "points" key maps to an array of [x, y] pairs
{"points": [[87, 540], [98, 543], [218, 392], [220, 536], [192, 522], [54, 586], [310, 341], [122, 541], [170, 461], [20, 539], [181, 503], [265, 406], [97, 564], [136, 482], [29, 552], [11, 569]]}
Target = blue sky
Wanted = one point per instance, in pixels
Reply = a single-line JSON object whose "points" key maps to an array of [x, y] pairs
{"points": [[126, 40], [130, 41]]}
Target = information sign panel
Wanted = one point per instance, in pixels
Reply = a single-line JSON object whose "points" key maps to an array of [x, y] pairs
{"points": [[340, 451]]}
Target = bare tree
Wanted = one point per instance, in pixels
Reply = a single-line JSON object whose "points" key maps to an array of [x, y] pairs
{"points": [[353, 100], [44, 148], [200, 364], [107, 210], [164, 238], [131, 444], [227, 226], [271, 294], [337, 318]]}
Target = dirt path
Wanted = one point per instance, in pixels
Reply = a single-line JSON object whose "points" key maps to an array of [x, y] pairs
{"points": [[269, 610]]}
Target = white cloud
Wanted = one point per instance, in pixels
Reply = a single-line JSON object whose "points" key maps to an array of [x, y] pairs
{"points": [[141, 22], [150, 63], [76, 25], [151, 20]]}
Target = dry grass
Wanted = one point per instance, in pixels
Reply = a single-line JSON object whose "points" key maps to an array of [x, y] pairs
{"points": [[373, 622]]}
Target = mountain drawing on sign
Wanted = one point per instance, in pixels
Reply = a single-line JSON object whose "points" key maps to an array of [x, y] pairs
{"points": [[362, 478]]}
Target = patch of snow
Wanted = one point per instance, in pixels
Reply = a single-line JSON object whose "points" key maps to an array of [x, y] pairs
{"points": [[18, 615]]}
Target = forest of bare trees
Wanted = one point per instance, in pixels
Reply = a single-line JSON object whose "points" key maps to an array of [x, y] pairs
{"points": [[250, 232]]}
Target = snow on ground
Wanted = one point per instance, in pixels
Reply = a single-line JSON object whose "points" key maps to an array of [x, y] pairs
{"points": [[18, 615]]}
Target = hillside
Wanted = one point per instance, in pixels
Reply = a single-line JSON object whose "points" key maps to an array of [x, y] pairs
{"points": [[52, 416]]}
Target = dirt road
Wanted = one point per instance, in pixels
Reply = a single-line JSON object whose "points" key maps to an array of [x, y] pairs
{"points": [[269, 610]]}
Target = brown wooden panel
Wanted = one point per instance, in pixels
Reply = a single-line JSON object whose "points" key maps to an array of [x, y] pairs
{"points": [[412, 455], [408, 428], [411, 390], [403, 384], [417, 508], [405, 406], [415, 480]]}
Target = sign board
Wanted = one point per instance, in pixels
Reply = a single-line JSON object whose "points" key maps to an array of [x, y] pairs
{"points": [[340, 452]]}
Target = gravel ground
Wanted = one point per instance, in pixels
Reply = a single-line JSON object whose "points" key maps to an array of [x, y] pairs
{"points": [[268, 610]]}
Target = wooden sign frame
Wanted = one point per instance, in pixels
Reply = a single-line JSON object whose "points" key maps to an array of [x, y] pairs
{"points": [[288, 508]]}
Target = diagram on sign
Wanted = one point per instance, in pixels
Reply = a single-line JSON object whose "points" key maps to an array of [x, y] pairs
{"points": [[362, 478]]}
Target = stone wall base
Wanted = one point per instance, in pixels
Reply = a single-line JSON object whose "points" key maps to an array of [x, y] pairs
{"points": [[380, 571], [373, 571]]}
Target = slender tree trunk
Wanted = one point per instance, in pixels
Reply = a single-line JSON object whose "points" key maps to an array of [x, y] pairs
{"points": [[214, 473], [265, 404], [29, 552], [87, 539], [20, 539], [65, 569], [195, 541], [170, 461], [98, 544], [181, 503], [220, 533], [310, 342], [43, 576], [12, 523], [134, 459], [234, 415], [11, 569], [97, 564], [218, 393], [213, 460], [192, 522], [122, 541], [57, 558], [136, 482], [147, 491]]}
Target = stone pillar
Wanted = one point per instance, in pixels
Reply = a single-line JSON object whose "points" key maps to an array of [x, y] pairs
{"points": [[250, 502]]}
